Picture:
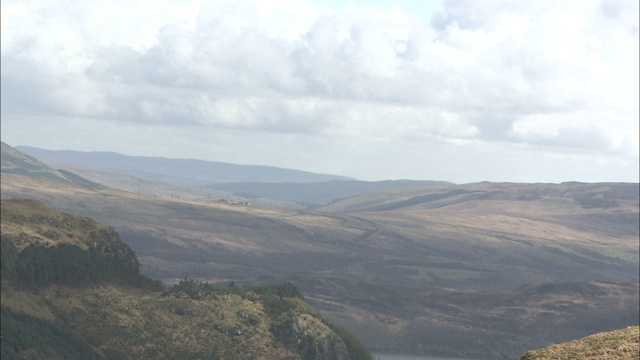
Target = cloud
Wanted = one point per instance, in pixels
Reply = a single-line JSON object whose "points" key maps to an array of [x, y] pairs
{"points": [[557, 74]]}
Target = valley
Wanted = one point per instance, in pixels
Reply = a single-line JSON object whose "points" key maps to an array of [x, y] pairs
{"points": [[486, 270], [71, 289]]}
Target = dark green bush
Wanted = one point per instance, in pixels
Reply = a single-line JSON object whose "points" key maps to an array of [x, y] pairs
{"points": [[275, 305], [22, 332], [8, 257], [70, 265]]}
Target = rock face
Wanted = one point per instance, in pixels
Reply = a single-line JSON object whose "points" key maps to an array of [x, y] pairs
{"points": [[107, 241], [312, 339]]}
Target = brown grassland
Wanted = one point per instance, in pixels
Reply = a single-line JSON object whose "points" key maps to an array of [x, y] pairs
{"points": [[498, 268], [619, 345]]}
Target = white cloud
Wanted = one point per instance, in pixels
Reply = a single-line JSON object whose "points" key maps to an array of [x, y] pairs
{"points": [[547, 74]]}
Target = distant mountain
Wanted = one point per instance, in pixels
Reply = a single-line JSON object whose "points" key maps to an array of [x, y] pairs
{"points": [[316, 193], [16, 162], [214, 180], [177, 171], [586, 195]]}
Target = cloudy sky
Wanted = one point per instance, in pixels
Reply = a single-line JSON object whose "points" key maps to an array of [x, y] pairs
{"points": [[461, 90]]}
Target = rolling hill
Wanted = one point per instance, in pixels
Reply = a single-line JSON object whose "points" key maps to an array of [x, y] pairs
{"points": [[72, 289], [477, 270], [199, 179], [316, 193], [584, 195], [177, 171], [16, 162]]}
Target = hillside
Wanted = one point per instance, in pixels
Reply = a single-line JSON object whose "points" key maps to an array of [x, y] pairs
{"points": [[621, 196], [620, 344], [146, 186], [16, 162], [433, 270], [177, 171], [197, 179], [389, 276], [316, 193], [460, 323], [70, 280]]}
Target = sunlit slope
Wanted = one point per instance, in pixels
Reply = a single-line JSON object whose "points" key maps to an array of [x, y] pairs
{"points": [[15, 162], [619, 344], [558, 197], [530, 231]]}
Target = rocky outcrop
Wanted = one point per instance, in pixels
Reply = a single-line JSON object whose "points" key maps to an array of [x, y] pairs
{"points": [[311, 338], [107, 241]]}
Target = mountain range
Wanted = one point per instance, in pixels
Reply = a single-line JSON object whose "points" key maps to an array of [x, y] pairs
{"points": [[212, 180], [179, 171], [485, 270]]}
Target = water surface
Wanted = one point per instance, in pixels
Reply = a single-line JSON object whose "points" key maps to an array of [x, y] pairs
{"points": [[378, 356]]}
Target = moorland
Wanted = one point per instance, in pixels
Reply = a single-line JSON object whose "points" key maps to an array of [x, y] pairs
{"points": [[71, 289], [485, 270]]}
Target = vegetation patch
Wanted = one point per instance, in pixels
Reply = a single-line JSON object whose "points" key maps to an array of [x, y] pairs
{"points": [[28, 337], [99, 304], [620, 344]]}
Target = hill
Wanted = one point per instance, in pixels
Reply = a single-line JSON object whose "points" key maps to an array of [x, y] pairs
{"points": [[197, 179], [457, 270], [462, 272], [147, 186], [464, 323], [177, 171], [15, 162], [317, 193], [585, 195], [70, 287], [620, 344]]}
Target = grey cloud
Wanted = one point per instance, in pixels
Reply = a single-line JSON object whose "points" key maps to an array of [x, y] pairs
{"points": [[469, 64], [589, 138], [29, 87], [273, 114], [221, 65], [614, 8], [471, 14]]}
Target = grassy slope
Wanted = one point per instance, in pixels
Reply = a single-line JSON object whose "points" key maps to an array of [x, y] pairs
{"points": [[127, 322], [179, 171], [15, 162], [29, 221], [45, 340], [354, 265], [620, 344], [471, 324]]}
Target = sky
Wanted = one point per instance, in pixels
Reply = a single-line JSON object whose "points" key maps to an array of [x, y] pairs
{"points": [[461, 90]]}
